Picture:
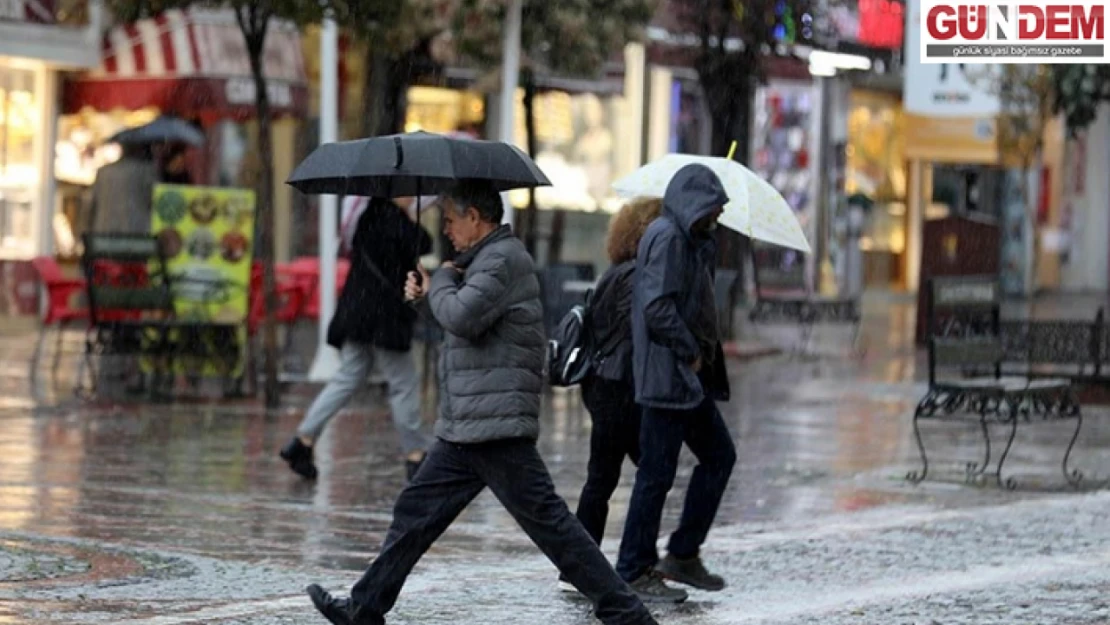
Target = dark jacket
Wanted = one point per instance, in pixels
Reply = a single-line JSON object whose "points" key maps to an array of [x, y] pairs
{"points": [[673, 268], [369, 310], [491, 368], [611, 324]]}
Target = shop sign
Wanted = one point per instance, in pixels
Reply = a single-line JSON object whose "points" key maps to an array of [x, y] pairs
{"points": [[241, 92], [35, 11], [1002, 31], [947, 89]]}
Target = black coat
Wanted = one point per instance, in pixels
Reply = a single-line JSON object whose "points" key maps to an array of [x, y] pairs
{"points": [[611, 324], [369, 310]]}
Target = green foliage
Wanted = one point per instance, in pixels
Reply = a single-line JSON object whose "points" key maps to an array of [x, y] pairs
{"points": [[570, 37], [1079, 92]]}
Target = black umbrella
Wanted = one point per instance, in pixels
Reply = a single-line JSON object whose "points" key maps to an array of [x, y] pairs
{"points": [[165, 129], [417, 163]]}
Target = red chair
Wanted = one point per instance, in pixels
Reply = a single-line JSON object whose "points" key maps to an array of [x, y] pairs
{"points": [[290, 298], [60, 310]]}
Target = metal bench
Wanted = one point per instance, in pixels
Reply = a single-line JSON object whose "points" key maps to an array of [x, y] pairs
{"points": [[782, 296], [969, 342]]}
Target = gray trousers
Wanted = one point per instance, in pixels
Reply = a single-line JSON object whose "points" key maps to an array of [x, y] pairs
{"points": [[356, 361]]}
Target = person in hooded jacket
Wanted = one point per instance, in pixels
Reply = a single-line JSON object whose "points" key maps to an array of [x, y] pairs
{"points": [[679, 373], [607, 390], [372, 322]]}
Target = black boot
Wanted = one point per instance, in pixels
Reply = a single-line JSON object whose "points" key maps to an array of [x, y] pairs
{"points": [[339, 611], [690, 572], [299, 457]]}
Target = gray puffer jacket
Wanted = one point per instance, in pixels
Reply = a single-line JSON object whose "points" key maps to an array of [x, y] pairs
{"points": [[491, 369]]}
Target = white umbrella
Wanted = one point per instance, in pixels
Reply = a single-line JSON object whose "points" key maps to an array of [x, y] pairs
{"points": [[755, 208]]}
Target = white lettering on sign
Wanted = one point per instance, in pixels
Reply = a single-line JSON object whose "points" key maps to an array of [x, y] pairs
{"points": [[13, 10], [241, 91]]}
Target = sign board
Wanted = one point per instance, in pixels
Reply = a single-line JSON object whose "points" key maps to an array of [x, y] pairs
{"points": [[1011, 32], [944, 90], [207, 236]]}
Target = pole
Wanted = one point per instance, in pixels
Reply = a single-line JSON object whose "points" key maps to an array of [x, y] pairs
{"points": [[510, 76], [326, 362]]}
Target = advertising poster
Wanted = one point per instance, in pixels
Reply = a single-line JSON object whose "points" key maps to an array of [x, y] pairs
{"points": [[207, 236]]}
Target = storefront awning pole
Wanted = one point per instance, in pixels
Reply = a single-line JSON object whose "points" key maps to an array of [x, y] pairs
{"points": [[326, 362], [510, 75]]}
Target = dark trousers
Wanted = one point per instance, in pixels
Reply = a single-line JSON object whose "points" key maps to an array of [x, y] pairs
{"points": [[615, 434], [450, 478], [662, 433]]}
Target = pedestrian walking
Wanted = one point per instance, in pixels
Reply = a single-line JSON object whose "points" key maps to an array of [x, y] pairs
{"points": [[679, 373], [607, 389], [487, 302], [372, 323]]}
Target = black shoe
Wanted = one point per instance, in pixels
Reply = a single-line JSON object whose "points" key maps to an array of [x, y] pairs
{"points": [[651, 589], [412, 466], [566, 586], [690, 572], [338, 611], [299, 457]]}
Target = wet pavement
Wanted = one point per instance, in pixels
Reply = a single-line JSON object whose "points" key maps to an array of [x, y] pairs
{"points": [[183, 513]]}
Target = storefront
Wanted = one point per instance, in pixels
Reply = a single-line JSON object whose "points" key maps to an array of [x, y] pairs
{"points": [[191, 64], [37, 43], [875, 180], [785, 138]]}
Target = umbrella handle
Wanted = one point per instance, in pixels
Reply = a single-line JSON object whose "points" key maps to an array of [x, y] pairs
{"points": [[419, 278]]}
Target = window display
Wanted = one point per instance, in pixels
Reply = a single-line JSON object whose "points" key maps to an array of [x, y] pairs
{"points": [[576, 140], [20, 179], [876, 168], [785, 123]]}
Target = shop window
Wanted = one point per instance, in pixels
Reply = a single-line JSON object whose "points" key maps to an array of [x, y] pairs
{"points": [[876, 169], [20, 174]]}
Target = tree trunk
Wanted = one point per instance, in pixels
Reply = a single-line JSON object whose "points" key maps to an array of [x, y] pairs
{"points": [[530, 216], [264, 240], [729, 89], [387, 81]]}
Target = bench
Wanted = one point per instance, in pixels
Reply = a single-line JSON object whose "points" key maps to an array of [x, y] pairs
{"points": [[782, 296], [966, 353]]}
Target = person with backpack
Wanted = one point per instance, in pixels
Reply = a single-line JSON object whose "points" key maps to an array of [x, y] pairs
{"points": [[607, 388], [372, 322]]}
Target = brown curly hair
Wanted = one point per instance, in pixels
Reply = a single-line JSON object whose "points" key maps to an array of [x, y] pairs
{"points": [[628, 226]]}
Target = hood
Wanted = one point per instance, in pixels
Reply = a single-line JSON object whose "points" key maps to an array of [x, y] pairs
{"points": [[692, 194]]}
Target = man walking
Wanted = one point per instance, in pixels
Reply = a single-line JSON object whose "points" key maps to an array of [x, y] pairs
{"points": [[372, 322], [488, 304], [679, 372]]}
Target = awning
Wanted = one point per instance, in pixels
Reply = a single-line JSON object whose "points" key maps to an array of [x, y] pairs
{"points": [[191, 63]]}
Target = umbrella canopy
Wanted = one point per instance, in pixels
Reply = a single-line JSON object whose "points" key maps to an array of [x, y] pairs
{"points": [[417, 163], [165, 129], [755, 208]]}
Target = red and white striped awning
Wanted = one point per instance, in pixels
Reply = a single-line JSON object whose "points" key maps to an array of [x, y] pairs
{"points": [[191, 63]]}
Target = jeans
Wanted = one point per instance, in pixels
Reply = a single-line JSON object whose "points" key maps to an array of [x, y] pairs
{"points": [[615, 434], [662, 433], [356, 361], [450, 478]]}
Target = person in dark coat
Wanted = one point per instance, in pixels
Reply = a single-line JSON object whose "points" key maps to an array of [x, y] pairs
{"points": [[372, 322], [607, 390], [491, 380], [679, 374]]}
